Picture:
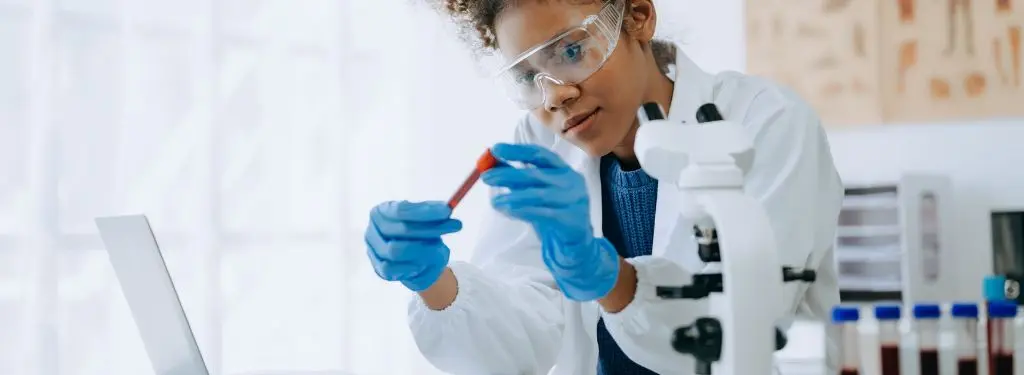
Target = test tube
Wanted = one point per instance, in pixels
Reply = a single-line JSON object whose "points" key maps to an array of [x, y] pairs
{"points": [[483, 163], [847, 318], [994, 290], [1001, 339], [888, 317], [926, 320], [968, 338]]}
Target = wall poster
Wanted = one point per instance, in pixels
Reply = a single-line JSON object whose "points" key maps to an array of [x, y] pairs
{"points": [[871, 62]]}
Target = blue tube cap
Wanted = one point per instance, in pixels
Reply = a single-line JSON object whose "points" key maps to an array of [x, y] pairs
{"points": [[993, 288], [927, 311], [1002, 309], [842, 314], [887, 312], [965, 310]]}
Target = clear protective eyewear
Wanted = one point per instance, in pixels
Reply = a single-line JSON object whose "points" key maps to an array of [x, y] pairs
{"points": [[567, 59]]}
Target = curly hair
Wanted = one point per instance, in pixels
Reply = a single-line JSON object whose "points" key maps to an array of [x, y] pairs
{"points": [[475, 21]]}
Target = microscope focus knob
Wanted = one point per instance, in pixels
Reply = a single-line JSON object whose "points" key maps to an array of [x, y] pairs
{"points": [[707, 244], [780, 340], [790, 274], [709, 253], [702, 339]]}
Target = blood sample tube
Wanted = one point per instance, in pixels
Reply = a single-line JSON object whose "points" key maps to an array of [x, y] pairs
{"points": [[888, 317], [993, 288], [968, 337], [846, 318], [1001, 339], [926, 320], [485, 162]]}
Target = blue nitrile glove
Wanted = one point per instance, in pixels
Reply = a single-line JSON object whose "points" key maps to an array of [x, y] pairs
{"points": [[404, 242], [551, 196]]}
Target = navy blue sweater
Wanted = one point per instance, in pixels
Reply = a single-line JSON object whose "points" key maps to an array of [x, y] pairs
{"points": [[630, 199]]}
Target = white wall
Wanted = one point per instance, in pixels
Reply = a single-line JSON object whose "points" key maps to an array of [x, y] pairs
{"points": [[985, 159]]}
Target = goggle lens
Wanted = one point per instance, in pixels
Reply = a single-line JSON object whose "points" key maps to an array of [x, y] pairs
{"points": [[569, 58]]}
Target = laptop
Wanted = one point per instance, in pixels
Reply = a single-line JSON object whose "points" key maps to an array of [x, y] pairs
{"points": [[151, 296], [153, 300]]}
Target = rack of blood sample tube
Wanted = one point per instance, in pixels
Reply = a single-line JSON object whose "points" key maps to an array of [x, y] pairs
{"points": [[994, 338]]}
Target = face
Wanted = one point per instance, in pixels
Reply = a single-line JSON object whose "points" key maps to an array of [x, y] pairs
{"points": [[599, 113]]}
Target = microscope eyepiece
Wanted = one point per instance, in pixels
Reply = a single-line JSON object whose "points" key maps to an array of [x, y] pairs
{"points": [[708, 113], [650, 112]]}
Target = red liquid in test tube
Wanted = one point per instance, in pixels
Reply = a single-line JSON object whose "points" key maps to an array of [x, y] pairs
{"points": [[890, 360], [888, 317], [485, 162], [1003, 364], [929, 362], [967, 367], [926, 322]]}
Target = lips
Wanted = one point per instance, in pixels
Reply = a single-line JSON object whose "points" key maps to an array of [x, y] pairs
{"points": [[577, 120]]}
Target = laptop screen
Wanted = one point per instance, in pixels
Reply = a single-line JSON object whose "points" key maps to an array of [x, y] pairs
{"points": [[151, 295]]}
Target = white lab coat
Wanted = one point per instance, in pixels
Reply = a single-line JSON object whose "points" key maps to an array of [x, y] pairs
{"points": [[509, 318]]}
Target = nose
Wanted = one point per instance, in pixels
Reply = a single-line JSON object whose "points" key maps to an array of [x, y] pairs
{"points": [[557, 94]]}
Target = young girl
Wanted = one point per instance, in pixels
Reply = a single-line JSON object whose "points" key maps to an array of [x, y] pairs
{"points": [[563, 280]]}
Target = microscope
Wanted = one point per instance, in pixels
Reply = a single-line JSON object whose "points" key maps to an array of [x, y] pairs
{"points": [[707, 163]]}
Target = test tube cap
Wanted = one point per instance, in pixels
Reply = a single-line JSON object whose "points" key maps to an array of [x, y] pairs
{"points": [[927, 311], [993, 288], [1002, 309], [887, 312], [964, 310], [842, 314]]}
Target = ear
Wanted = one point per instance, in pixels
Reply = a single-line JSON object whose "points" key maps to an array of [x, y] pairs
{"points": [[640, 19]]}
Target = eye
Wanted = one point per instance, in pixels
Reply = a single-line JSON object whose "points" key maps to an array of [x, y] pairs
{"points": [[572, 52], [525, 77]]}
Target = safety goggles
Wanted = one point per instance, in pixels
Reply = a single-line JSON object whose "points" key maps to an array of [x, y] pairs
{"points": [[567, 59]]}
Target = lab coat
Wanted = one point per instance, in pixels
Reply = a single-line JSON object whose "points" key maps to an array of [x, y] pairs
{"points": [[509, 317]]}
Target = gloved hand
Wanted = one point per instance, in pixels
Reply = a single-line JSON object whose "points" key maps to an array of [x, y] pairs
{"points": [[404, 243], [553, 198]]}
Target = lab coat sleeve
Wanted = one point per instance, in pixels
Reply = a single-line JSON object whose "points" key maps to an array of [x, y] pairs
{"points": [[498, 324], [508, 315], [793, 176]]}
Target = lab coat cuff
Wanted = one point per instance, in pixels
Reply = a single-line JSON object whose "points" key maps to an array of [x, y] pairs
{"points": [[644, 328], [463, 273], [644, 292], [651, 272]]}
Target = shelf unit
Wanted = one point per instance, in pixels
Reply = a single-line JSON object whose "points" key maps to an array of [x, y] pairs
{"points": [[890, 240]]}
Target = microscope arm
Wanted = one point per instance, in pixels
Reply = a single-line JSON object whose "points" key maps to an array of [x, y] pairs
{"points": [[752, 302]]}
